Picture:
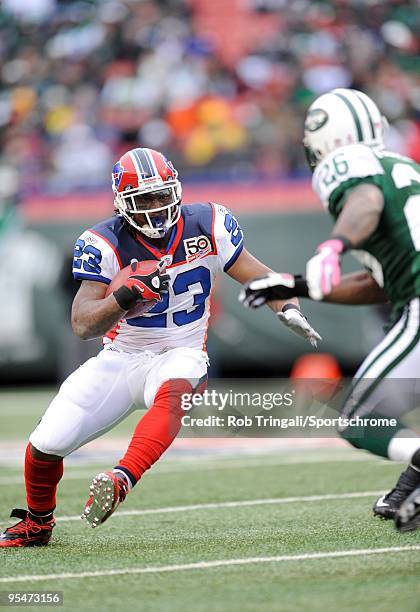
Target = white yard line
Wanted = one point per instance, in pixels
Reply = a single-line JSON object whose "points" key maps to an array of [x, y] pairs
{"points": [[211, 564], [234, 504], [213, 464]]}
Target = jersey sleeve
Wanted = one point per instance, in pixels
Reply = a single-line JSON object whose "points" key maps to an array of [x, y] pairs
{"points": [[94, 258], [341, 171], [228, 236]]}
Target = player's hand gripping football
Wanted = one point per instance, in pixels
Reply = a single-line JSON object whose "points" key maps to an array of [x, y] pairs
{"points": [[142, 286], [280, 286]]}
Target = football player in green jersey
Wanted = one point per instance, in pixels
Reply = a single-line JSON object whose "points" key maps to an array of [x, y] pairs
{"points": [[373, 196]]}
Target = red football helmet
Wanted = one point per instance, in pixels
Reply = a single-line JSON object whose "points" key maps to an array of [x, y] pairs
{"points": [[142, 177]]}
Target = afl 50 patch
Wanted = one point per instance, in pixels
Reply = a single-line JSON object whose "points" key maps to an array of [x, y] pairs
{"points": [[196, 247]]}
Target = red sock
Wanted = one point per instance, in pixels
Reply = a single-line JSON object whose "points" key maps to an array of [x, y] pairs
{"points": [[158, 428], [41, 479]]}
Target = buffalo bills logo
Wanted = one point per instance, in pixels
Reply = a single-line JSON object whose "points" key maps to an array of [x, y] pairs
{"points": [[117, 174], [172, 172]]}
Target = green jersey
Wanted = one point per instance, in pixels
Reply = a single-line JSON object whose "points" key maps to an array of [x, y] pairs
{"points": [[392, 252]]}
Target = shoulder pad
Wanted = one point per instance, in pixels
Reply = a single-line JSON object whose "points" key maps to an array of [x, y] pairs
{"points": [[345, 164]]}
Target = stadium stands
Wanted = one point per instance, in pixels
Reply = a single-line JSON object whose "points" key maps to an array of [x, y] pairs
{"points": [[220, 86]]}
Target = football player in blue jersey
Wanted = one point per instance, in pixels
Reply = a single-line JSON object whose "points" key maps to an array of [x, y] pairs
{"points": [[153, 328]]}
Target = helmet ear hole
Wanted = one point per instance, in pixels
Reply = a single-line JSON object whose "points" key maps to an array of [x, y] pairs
{"points": [[313, 156]]}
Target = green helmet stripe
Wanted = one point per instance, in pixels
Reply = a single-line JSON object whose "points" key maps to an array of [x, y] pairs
{"points": [[353, 112], [372, 128]]}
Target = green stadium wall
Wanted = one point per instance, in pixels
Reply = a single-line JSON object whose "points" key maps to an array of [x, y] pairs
{"points": [[239, 340]]}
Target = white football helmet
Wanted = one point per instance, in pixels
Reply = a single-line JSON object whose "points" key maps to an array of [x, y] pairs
{"points": [[341, 117]]}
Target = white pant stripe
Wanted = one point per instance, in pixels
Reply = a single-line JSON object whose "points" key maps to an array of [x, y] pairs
{"points": [[376, 369], [366, 391], [370, 393], [387, 341]]}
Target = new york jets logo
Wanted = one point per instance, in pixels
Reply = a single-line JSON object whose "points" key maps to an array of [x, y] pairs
{"points": [[315, 119]]}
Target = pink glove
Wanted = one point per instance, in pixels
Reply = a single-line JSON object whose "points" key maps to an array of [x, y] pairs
{"points": [[323, 271]]}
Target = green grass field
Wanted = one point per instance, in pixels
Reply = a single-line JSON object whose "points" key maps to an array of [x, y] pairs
{"points": [[202, 533]]}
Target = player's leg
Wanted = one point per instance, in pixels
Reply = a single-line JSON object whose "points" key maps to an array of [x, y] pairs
{"points": [[385, 385], [91, 401], [169, 376], [178, 371], [153, 434], [42, 475]]}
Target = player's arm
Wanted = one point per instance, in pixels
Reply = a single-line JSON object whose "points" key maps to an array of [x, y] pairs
{"points": [[357, 288], [95, 264], [360, 214], [357, 221], [247, 267], [93, 314]]}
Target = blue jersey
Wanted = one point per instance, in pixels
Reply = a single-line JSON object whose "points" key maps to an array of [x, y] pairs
{"points": [[206, 240]]}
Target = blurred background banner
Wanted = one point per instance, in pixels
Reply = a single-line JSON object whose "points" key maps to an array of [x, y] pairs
{"points": [[221, 88]]}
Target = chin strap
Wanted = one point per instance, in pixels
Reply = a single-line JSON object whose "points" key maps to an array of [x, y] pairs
{"points": [[149, 233]]}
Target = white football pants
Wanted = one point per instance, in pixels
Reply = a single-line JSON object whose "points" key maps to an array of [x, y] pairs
{"points": [[388, 379], [106, 389]]}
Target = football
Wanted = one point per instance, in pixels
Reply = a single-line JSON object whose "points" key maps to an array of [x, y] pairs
{"points": [[142, 267]]}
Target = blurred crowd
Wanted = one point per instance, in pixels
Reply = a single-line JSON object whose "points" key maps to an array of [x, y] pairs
{"points": [[221, 86]]}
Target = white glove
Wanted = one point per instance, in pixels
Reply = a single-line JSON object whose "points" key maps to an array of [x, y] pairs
{"points": [[298, 323]]}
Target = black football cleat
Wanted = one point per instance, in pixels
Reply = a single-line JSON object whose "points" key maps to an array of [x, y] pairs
{"points": [[107, 491], [387, 505], [407, 517], [27, 532]]}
